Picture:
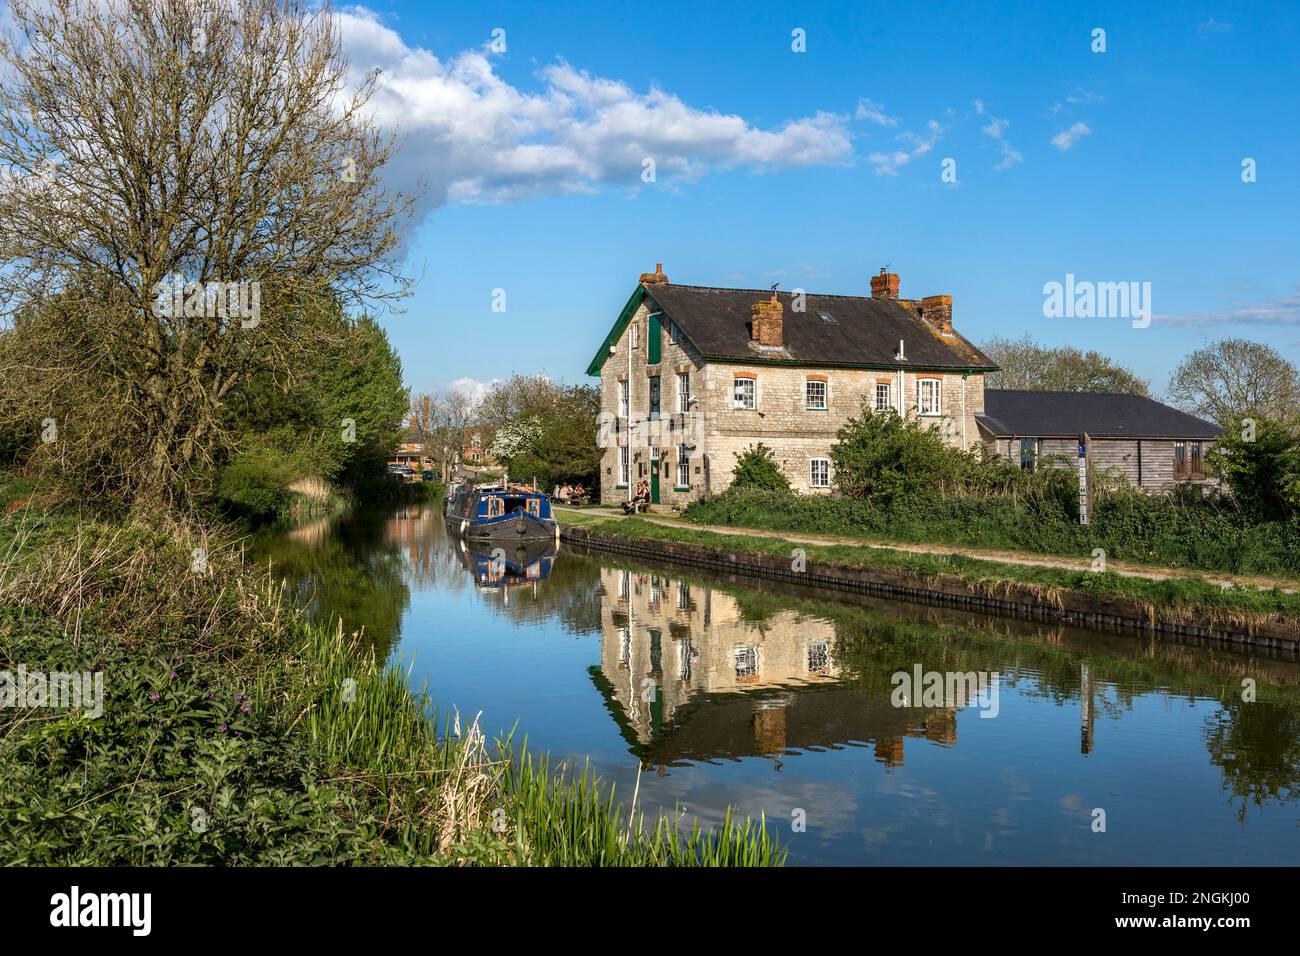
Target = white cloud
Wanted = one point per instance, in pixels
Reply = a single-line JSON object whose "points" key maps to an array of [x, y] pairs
{"points": [[1077, 97], [1066, 138], [873, 112], [1010, 155], [979, 107], [471, 387], [888, 164], [996, 127], [469, 136], [1213, 26], [1281, 311]]}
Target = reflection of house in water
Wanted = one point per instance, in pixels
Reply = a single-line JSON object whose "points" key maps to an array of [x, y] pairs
{"points": [[688, 677]]}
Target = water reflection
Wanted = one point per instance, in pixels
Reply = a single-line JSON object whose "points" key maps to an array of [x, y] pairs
{"points": [[770, 698]]}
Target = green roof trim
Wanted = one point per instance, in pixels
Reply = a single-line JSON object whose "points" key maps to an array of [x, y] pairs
{"points": [[624, 317]]}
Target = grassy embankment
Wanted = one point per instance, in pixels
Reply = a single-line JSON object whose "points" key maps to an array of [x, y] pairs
{"points": [[1184, 597], [234, 732]]}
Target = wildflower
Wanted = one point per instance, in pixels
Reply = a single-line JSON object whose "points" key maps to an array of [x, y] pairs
{"points": [[172, 675], [222, 728], [155, 695], [244, 709]]}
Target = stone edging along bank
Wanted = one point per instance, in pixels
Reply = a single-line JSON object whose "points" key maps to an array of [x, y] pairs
{"points": [[1009, 598]]}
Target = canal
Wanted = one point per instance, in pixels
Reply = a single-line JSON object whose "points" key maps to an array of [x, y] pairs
{"points": [[1038, 744]]}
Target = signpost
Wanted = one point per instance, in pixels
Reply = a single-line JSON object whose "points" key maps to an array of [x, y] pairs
{"points": [[1083, 478]]}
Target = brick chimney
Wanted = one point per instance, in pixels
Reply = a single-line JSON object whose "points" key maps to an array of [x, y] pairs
{"points": [[766, 320], [649, 278], [885, 285], [937, 310]]}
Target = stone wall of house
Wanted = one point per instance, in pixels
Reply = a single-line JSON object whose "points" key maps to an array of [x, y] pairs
{"points": [[797, 434], [714, 432], [647, 434]]}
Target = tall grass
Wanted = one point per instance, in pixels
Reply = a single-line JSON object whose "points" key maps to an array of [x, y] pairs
{"points": [[301, 745], [448, 792]]}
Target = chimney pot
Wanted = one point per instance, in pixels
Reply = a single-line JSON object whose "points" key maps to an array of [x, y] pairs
{"points": [[885, 285], [766, 322], [649, 278], [937, 310]]}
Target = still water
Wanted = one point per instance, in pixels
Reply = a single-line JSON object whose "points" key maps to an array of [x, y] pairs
{"points": [[780, 702]]}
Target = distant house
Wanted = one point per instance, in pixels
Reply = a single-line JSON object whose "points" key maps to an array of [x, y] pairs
{"points": [[1152, 445], [411, 454], [691, 376], [475, 454]]}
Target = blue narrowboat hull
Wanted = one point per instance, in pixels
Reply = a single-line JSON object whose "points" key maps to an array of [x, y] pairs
{"points": [[494, 514]]}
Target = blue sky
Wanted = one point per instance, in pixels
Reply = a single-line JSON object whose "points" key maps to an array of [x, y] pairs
{"points": [[815, 168]]}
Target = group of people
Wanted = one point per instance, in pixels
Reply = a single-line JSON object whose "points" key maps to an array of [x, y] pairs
{"points": [[566, 493]]}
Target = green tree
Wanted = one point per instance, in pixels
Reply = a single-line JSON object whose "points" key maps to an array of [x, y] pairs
{"points": [[1259, 460], [756, 467], [554, 439], [171, 205], [1026, 365], [338, 420], [879, 455]]}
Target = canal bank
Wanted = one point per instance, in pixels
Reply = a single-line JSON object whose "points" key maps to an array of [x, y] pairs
{"points": [[1159, 607], [698, 691]]}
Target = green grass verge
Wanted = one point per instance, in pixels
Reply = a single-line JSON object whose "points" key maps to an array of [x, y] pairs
{"points": [[1185, 596]]}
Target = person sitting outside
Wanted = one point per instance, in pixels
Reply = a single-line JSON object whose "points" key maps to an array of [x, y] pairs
{"points": [[564, 493], [640, 500], [579, 495]]}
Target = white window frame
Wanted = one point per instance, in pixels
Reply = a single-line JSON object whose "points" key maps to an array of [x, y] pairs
{"points": [[936, 393], [624, 399], [674, 334], [624, 466], [636, 335], [808, 396], [889, 397], [813, 472], [683, 467], [683, 392], [746, 661], [738, 394]]}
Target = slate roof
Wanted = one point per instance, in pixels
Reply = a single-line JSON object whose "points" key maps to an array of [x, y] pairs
{"points": [[864, 331], [1010, 413]]}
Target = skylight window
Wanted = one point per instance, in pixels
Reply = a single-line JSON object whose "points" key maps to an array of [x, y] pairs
{"points": [[827, 317]]}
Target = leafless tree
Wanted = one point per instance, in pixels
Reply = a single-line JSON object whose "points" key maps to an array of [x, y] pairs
{"points": [[1235, 378], [182, 182]]}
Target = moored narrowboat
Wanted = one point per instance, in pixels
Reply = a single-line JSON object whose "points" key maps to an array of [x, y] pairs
{"points": [[501, 513]]}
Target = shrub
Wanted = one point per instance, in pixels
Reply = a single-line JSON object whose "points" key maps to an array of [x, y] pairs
{"points": [[756, 467]]}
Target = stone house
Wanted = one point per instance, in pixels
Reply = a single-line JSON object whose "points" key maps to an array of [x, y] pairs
{"points": [[691, 376]]}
